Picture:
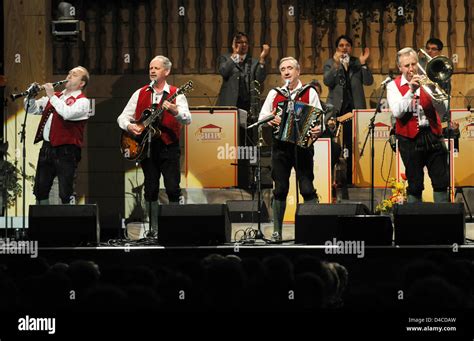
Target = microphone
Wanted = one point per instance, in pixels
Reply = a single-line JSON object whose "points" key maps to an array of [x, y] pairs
{"points": [[468, 101], [386, 81], [262, 121], [152, 84]]}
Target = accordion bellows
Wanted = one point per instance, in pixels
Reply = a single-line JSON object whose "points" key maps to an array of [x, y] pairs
{"points": [[296, 123]]}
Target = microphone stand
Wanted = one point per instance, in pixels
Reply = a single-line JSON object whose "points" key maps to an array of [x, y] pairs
{"points": [[372, 143], [296, 118], [5, 190], [258, 178], [22, 134], [449, 140], [258, 183]]}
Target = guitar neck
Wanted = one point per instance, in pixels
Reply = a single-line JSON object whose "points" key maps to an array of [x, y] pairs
{"points": [[158, 111], [467, 118]]}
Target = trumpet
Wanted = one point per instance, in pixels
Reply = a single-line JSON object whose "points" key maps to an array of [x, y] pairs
{"points": [[34, 88], [438, 70]]}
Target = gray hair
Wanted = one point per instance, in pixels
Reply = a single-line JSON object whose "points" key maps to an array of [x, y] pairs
{"points": [[404, 52], [164, 60], [292, 60]]}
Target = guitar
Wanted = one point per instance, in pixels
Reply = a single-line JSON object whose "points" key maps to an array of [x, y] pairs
{"points": [[133, 146], [469, 118], [342, 119]]}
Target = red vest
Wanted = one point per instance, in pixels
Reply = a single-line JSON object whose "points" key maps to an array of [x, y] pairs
{"points": [[408, 125], [62, 131], [303, 97], [170, 127]]}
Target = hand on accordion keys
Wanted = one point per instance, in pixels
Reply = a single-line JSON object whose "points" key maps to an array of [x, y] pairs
{"points": [[316, 132]]}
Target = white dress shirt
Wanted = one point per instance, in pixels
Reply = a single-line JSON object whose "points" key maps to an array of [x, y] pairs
{"points": [[78, 111], [128, 114], [400, 105], [267, 107]]}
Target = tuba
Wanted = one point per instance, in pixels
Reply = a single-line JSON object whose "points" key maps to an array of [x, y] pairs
{"points": [[437, 70]]}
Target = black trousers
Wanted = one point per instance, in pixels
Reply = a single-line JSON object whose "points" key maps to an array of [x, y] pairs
{"points": [[60, 161], [414, 160], [164, 161], [283, 160]]}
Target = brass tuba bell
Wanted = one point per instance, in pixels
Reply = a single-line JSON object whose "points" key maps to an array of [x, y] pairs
{"points": [[437, 70]]}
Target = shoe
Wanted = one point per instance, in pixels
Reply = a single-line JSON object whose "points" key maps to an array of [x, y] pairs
{"points": [[276, 237], [152, 234]]}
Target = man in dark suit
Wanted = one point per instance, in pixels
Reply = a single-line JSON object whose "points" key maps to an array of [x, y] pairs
{"points": [[345, 76], [239, 70]]}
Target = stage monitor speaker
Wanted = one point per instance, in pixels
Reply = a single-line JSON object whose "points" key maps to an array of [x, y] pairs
{"points": [[429, 224], [63, 225], [372, 229], [193, 224], [245, 211], [317, 224]]}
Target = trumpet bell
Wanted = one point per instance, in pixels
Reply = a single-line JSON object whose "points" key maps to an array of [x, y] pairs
{"points": [[439, 69]]}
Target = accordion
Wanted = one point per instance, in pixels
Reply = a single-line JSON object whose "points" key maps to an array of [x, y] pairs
{"points": [[297, 122]]}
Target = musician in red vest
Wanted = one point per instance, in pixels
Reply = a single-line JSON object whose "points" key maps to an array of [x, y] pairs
{"points": [[283, 153], [418, 129], [64, 117], [165, 151]]}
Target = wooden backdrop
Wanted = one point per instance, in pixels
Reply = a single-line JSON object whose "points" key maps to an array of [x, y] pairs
{"points": [[122, 36]]}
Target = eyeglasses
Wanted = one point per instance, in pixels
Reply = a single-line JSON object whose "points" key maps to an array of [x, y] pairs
{"points": [[431, 49]]}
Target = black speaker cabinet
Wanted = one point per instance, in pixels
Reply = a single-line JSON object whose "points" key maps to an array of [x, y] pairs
{"points": [[372, 229], [194, 224], [63, 225], [245, 211], [316, 224], [429, 224]]}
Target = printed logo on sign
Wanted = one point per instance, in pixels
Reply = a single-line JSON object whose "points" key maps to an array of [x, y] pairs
{"points": [[28, 323], [209, 133], [382, 131], [469, 131]]}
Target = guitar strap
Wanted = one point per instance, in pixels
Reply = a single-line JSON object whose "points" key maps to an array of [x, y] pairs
{"points": [[155, 106]]}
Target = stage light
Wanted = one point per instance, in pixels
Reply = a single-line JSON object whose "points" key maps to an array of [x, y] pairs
{"points": [[67, 27]]}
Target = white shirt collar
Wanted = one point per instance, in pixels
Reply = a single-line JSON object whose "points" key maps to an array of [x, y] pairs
{"points": [[165, 88], [73, 94], [403, 81], [296, 90], [298, 86]]}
